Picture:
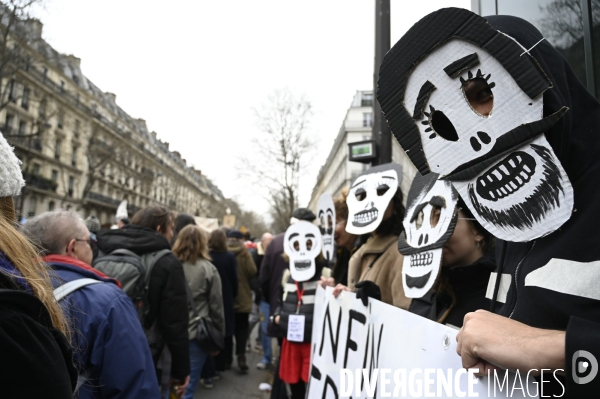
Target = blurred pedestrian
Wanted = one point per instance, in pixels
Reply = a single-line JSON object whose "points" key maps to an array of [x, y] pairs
{"points": [[150, 231], [191, 247], [37, 360], [182, 220], [226, 265], [264, 307], [243, 302], [110, 345]]}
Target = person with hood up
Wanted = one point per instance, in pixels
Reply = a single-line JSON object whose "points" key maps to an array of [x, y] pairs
{"points": [[545, 310], [37, 359], [246, 270], [110, 343], [151, 230]]}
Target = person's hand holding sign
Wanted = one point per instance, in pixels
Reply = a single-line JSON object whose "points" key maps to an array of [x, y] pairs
{"points": [[488, 341]]}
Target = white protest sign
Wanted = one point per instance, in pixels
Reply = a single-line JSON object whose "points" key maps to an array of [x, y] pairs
{"points": [[384, 351]]}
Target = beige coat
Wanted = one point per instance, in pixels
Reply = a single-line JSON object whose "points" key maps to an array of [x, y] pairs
{"points": [[379, 261]]}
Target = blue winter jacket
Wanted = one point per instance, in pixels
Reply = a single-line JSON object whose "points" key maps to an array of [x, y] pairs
{"points": [[110, 345]]}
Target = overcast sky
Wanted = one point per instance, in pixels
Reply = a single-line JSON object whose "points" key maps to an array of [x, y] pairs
{"points": [[195, 69]]}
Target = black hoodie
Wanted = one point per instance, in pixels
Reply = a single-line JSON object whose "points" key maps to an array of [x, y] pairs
{"points": [[167, 293], [555, 280]]}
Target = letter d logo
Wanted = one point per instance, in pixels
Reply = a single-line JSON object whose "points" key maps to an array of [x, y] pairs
{"points": [[581, 366]]}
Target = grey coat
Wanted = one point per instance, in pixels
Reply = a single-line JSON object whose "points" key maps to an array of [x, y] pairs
{"points": [[205, 284]]}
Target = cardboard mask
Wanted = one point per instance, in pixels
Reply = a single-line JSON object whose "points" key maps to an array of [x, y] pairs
{"points": [[302, 244], [500, 163], [326, 218], [369, 197], [430, 219]]}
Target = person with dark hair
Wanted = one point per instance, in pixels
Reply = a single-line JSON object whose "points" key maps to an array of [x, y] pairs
{"points": [[123, 222], [151, 230], [246, 270], [467, 261], [226, 265], [182, 220]]}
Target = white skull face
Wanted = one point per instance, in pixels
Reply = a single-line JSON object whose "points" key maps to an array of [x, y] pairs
{"points": [[368, 200], [302, 244], [429, 223], [517, 197], [326, 218]]}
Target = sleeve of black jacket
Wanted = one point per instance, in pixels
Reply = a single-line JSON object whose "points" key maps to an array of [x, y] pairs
{"points": [[169, 306], [582, 336]]}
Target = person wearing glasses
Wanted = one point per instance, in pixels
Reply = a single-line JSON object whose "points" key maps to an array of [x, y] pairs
{"points": [[111, 350]]}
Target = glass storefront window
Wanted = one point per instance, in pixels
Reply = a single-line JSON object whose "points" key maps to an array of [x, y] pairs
{"points": [[561, 23]]}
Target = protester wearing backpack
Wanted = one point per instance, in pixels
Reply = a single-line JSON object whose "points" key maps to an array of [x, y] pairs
{"points": [[110, 350], [149, 234]]}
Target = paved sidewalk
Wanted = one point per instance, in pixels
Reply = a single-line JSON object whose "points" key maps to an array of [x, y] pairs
{"points": [[234, 384]]}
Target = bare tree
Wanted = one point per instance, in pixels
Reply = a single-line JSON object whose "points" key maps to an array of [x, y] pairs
{"points": [[562, 21], [281, 152]]}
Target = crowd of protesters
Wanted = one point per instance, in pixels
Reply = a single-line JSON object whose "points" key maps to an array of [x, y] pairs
{"points": [[159, 305]]}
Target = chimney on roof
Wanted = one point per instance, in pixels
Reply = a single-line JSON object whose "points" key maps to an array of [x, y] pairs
{"points": [[153, 135], [112, 96], [177, 154], [166, 145], [74, 60], [36, 26]]}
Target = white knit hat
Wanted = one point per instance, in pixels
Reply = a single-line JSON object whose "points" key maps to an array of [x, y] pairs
{"points": [[11, 177]]}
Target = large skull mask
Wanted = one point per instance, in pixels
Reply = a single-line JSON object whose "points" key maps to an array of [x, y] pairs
{"points": [[302, 244], [500, 163], [429, 222], [326, 218], [369, 197]]}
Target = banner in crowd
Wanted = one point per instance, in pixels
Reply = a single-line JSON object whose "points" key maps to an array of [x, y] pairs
{"points": [[383, 351]]}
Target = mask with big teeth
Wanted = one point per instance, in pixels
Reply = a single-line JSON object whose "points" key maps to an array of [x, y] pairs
{"points": [[429, 222], [302, 244], [369, 196], [499, 161], [326, 218]]}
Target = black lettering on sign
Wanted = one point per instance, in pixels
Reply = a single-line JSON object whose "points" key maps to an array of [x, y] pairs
{"points": [[314, 373], [373, 361], [351, 345], [334, 342], [329, 383]]}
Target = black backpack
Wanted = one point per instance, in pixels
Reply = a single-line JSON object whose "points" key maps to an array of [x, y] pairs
{"points": [[133, 272]]}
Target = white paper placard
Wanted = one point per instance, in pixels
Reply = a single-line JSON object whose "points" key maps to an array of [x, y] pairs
{"points": [[295, 331], [348, 335]]}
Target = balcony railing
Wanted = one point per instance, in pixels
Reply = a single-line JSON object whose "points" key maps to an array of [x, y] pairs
{"points": [[103, 198], [31, 141], [41, 182]]}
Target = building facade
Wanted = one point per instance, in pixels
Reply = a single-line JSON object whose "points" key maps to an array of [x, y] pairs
{"points": [[81, 151], [338, 172], [571, 26]]}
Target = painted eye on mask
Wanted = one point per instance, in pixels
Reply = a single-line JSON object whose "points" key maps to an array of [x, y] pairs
{"points": [[382, 189], [360, 194]]}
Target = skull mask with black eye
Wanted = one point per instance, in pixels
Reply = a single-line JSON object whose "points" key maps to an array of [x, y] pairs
{"points": [[429, 222], [369, 197], [302, 244], [472, 111], [326, 218]]}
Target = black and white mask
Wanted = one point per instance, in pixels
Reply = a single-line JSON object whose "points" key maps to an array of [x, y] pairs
{"points": [[369, 197], [429, 222], [302, 244], [326, 218], [500, 163]]}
